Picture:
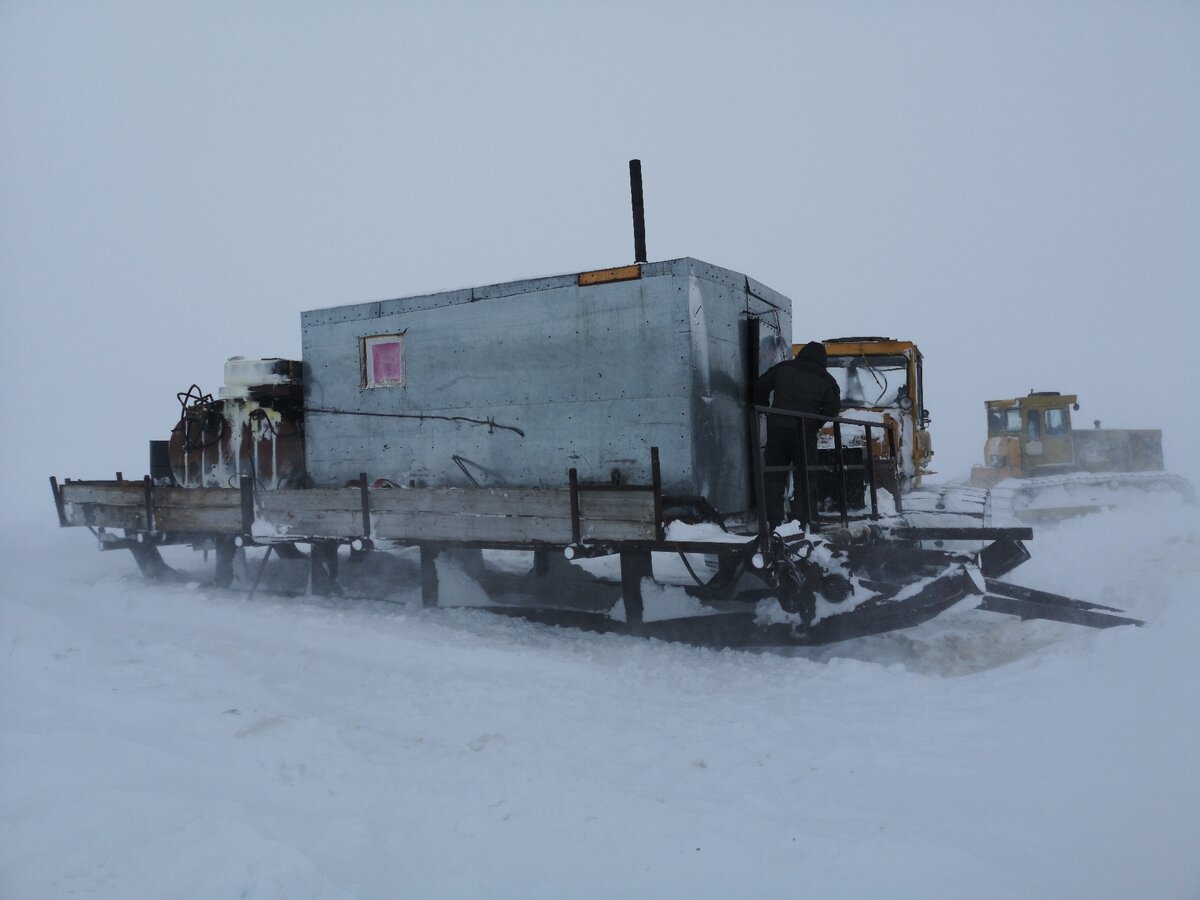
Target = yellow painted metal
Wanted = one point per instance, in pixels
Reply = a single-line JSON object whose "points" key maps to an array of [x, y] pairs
{"points": [[866, 347], [1034, 401], [604, 276], [1030, 449]]}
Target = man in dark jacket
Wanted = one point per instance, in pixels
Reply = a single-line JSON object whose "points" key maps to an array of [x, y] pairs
{"points": [[804, 385]]}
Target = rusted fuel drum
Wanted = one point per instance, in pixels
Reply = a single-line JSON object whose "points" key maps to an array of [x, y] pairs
{"points": [[255, 428]]}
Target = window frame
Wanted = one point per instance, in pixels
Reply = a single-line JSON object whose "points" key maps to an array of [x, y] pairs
{"points": [[1033, 425], [366, 364], [1064, 423]]}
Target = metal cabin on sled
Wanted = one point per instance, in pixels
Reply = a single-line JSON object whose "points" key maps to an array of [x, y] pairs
{"points": [[577, 416], [601, 414], [512, 385]]}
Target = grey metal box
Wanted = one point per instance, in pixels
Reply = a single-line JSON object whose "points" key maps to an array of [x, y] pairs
{"points": [[517, 383]]}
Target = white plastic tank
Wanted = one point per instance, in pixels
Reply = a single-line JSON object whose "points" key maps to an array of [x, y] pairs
{"points": [[242, 374]]}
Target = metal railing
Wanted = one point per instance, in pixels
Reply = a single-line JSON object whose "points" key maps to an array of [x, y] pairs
{"points": [[802, 473]]}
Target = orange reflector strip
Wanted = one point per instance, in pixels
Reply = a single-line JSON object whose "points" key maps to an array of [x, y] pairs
{"points": [[603, 276]]}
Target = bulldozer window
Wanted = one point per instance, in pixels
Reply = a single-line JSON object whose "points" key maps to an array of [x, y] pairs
{"points": [[1033, 425], [1002, 421], [1057, 421]]}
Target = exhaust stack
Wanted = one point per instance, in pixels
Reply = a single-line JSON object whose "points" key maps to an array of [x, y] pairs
{"points": [[639, 212]]}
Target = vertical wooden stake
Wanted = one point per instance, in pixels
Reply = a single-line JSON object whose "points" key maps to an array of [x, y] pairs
{"points": [[429, 579], [247, 488], [635, 565], [366, 505]]}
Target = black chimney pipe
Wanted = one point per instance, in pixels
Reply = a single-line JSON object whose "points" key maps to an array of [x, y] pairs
{"points": [[639, 212]]}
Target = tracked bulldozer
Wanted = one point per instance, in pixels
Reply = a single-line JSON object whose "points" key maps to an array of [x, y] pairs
{"points": [[1039, 468]]}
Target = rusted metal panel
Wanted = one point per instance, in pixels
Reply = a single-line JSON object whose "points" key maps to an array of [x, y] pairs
{"points": [[253, 429]]}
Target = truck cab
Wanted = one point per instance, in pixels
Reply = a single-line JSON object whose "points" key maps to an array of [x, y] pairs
{"points": [[881, 380]]}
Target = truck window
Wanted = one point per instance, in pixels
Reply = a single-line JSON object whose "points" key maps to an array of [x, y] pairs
{"points": [[1012, 421], [873, 382]]}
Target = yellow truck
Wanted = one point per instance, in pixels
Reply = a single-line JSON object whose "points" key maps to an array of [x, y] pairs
{"points": [[881, 380]]}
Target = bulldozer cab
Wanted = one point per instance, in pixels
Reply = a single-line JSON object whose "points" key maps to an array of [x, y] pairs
{"points": [[1058, 472], [881, 379], [1030, 433]]}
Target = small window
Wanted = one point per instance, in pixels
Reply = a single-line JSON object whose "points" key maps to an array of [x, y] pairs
{"points": [[1033, 425], [1012, 423], [1056, 421], [995, 421], [382, 360]]}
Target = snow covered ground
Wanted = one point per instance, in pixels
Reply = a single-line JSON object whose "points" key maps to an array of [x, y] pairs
{"points": [[176, 742]]}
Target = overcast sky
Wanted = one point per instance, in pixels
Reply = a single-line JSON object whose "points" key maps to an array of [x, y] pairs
{"points": [[1015, 186]]}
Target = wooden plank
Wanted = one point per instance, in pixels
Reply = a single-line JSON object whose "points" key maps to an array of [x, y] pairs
{"points": [[615, 530], [112, 493], [335, 523], [426, 526], [200, 518], [317, 499], [515, 502], [630, 505], [130, 493], [106, 515], [502, 529], [223, 498], [425, 514]]}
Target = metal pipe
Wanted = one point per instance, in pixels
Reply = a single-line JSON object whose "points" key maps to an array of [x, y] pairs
{"points": [[896, 474], [760, 490], [656, 482], [810, 517], [869, 462], [639, 211], [840, 465], [576, 529], [753, 445], [365, 502]]}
